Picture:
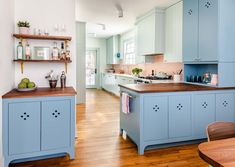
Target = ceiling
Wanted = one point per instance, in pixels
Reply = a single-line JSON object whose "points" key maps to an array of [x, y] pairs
{"points": [[96, 12]]}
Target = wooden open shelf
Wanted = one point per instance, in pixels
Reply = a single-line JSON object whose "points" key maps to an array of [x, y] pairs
{"points": [[42, 37], [45, 61], [42, 61]]}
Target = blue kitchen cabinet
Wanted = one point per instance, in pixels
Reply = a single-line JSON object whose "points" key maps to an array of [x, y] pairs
{"points": [[155, 118], [190, 30], [55, 121], [163, 119], [38, 127], [23, 137], [208, 30], [180, 109], [203, 113], [225, 107]]}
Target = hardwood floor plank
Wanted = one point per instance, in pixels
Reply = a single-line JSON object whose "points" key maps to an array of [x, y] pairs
{"points": [[100, 145]]}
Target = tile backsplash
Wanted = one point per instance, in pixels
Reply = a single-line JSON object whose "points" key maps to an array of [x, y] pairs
{"points": [[157, 65]]}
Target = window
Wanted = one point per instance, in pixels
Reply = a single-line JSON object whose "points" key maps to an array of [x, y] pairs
{"points": [[129, 51]]}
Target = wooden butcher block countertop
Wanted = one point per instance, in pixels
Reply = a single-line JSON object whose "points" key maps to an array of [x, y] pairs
{"points": [[169, 87], [39, 92]]}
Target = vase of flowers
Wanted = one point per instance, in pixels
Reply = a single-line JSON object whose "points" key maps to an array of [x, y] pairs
{"points": [[23, 27]]}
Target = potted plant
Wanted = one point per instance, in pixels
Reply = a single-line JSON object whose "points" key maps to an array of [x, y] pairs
{"points": [[136, 71], [23, 27]]}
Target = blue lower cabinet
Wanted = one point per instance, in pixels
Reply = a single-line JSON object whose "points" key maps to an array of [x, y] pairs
{"points": [[225, 107], [172, 118], [34, 128], [55, 121], [155, 118], [24, 127], [180, 109], [203, 113]]}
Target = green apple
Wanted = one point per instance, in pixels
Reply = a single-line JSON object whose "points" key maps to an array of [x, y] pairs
{"points": [[22, 85], [31, 85]]}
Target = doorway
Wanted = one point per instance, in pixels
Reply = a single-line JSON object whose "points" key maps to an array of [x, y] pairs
{"points": [[92, 68]]}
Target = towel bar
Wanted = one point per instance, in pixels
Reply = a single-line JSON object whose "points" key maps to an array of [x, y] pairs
{"points": [[130, 96]]}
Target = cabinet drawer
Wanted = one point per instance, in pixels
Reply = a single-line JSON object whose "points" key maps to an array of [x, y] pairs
{"points": [[155, 118], [24, 127], [179, 109], [55, 124]]}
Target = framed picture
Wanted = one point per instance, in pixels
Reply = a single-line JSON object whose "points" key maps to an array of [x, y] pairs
{"points": [[41, 53]]}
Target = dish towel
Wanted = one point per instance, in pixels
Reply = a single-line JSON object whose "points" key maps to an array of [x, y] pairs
{"points": [[125, 103]]}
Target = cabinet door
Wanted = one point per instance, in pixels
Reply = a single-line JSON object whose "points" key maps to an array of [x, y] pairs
{"points": [[225, 107], [24, 127], [55, 124], [109, 56], [173, 41], [146, 39], [203, 113], [179, 116], [155, 118], [190, 30], [208, 30]]}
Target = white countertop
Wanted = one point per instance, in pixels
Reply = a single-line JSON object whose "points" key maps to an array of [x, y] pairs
{"points": [[134, 77]]}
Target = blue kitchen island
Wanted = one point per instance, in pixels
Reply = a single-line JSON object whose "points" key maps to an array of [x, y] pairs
{"points": [[38, 124], [163, 115]]}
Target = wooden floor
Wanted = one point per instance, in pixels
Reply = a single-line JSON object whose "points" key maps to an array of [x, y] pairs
{"points": [[99, 143]]}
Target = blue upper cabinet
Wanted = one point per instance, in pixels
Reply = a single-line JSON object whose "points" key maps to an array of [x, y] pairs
{"points": [[208, 30], [190, 30]]}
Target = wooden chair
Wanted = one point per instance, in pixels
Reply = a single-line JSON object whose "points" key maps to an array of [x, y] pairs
{"points": [[220, 130]]}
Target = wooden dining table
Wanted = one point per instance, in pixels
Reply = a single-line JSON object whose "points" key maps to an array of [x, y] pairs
{"points": [[219, 153]]}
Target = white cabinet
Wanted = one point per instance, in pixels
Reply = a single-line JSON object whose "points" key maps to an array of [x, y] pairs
{"points": [[150, 34], [110, 82], [174, 33], [113, 50]]}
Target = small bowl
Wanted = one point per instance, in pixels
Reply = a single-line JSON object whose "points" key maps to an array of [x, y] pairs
{"points": [[52, 83]]}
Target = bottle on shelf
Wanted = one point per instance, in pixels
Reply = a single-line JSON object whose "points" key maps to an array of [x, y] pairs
{"points": [[27, 52], [55, 52], [62, 52], [67, 55], [20, 51]]}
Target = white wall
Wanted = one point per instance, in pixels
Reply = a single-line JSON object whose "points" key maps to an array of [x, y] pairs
{"points": [[6, 56], [81, 61], [46, 14], [98, 43]]}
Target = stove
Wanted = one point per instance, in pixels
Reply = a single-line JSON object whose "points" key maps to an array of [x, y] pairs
{"points": [[167, 77], [152, 79]]}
